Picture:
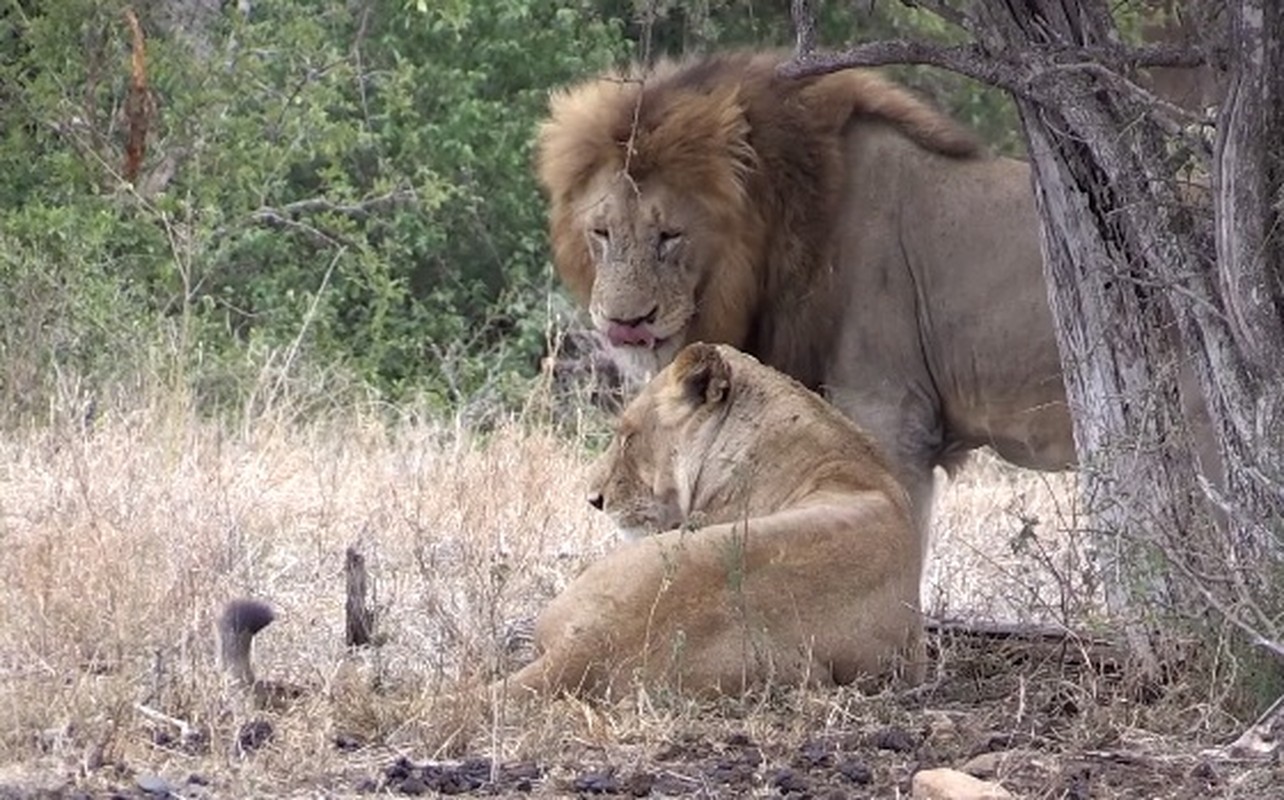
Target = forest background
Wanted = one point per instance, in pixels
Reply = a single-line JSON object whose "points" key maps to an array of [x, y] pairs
{"points": [[324, 201]]}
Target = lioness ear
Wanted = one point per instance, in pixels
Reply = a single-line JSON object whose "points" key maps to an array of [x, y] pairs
{"points": [[706, 377]]}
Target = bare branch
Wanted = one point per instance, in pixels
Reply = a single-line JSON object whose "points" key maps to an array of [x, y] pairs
{"points": [[359, 210], [1153, 55], [1174, 119], [967, 59], [271, 218], [1017, 72]]}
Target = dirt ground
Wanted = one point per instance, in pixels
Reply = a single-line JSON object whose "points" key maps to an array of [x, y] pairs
{"points": [[1031, 717]]}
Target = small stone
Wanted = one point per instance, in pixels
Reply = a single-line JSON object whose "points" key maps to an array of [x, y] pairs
{"points": [[814, 754], [399, 770], [639, 784], [597, 783], [786, 780], [154, 785], [986, 765], [253, 735], [950, 784], [898, 740], [856, 771], [413, 786], [521, 770], [941, 723], [1207, 773], [673, 785]]}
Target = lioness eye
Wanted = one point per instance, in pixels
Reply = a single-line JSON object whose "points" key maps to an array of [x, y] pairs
{"points": [[601, 234]]}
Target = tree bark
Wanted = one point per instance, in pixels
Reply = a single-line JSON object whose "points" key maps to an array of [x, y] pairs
{"points": [[1114, 234], [1245, 352]]}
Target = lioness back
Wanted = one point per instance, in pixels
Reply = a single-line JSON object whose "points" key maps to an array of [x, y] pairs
{"points": [[774, 545]]}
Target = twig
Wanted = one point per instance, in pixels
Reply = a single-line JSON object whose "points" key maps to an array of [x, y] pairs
{"points": [[308, 317], [359, 210], [1260, 740], [357, 613], [274, 219], [1274, 648], [184, 727]]}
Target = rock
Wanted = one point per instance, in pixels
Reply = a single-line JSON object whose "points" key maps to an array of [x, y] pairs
{"points": [[347, 742], [786, 780], [413, 786], [986, 765], [814, 754], [639, 784], [154, 785], [253, 735], [598, 782], [950, 784], [896, 739], [856, 771]]}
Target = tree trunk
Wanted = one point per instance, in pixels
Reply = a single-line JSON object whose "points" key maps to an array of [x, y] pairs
{"points": [[1244, 379], [1114, 232]]}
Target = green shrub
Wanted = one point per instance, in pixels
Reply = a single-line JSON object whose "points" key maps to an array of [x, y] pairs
{"points": [[351, 187]]}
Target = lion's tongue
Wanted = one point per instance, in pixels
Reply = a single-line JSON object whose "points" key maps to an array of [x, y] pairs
{"points": [[630, 335]]}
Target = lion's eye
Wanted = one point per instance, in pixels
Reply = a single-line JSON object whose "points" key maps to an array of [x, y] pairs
{"points": [[668, 240], [601, 234]]}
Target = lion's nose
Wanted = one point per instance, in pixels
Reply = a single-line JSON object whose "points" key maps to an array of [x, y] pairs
{"points": [[634, 322], [596, 500]]}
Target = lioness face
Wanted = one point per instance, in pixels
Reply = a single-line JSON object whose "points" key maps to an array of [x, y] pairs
{"points": [[645, 246], [644, 478]]}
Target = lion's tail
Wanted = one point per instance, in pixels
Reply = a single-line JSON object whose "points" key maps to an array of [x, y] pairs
{"points": [[241, 620], [864, 92]]}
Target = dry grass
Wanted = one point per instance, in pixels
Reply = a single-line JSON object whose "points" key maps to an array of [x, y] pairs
{"points": [[118, 545], [1008, 545]]}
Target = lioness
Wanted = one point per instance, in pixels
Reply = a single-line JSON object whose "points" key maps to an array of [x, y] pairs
{"points": [[836, 227], [783, 549]]}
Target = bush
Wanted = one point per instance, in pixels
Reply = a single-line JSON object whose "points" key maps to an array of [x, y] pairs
{"points": [[348, 186]]}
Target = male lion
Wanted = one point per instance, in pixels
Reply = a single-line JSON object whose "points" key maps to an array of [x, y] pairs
{"points": [[835, 227], [787, 553]]}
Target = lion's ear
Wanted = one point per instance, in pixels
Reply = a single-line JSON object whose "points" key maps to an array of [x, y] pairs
{"points": [[705, 375]]}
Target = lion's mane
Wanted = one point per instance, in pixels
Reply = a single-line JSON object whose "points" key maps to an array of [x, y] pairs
{"points": [[760, 152]]}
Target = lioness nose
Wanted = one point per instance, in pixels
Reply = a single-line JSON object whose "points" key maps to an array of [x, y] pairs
{"points": [[596, 500]]}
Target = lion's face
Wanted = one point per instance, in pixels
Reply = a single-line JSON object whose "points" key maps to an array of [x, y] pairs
{"points": [[643, 479], [648, 252]]}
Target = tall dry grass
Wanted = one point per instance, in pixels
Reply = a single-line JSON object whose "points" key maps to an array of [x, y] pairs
{"points": [[120, 541]]}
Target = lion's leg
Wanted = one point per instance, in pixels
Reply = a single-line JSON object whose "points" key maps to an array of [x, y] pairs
{"points": [[907, 426], [920, 484]]}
